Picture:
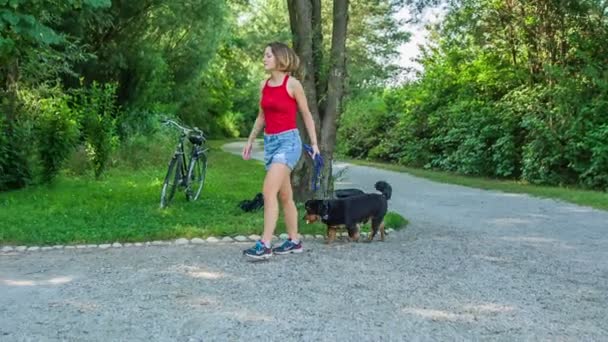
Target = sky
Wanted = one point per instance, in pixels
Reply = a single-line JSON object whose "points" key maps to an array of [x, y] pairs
{"points": [[419, 34]]}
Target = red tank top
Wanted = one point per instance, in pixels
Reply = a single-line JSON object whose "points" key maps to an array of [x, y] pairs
{"points": [[279, 108]]}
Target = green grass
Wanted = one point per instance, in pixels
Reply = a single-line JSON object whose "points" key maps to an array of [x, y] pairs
{"points": [[124, 207], [595, 199], [394, 220]]}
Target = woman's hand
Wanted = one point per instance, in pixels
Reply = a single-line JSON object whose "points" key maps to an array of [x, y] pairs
{"points": [[315, 151], [247, 150]]}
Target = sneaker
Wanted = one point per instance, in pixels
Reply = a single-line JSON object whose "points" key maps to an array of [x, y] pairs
{"points": [[259, 251], [288, 247]]}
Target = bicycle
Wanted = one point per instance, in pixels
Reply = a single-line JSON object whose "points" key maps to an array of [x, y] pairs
{"points": [[188, 174]]}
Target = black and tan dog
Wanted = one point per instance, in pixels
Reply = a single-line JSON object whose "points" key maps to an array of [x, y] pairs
{"points": [[343, 193], [349, 212]]}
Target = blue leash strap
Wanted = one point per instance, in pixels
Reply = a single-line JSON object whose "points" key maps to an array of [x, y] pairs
{"points": [[318, 166]]}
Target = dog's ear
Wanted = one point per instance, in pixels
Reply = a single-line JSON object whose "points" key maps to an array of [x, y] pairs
{"points": [[308, 205]]}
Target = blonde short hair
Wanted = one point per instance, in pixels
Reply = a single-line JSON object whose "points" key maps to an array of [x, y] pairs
{"points": [[286, 59]]}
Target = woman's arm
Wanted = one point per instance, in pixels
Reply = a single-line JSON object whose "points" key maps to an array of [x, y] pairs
{"points": [[300, 96], [257, 127], [259, 121]]}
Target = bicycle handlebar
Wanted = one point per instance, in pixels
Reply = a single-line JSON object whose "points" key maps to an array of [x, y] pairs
{"points": [[186, 130]]}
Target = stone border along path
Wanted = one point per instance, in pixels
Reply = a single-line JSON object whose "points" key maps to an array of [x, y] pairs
{"points": [[177, 242]]}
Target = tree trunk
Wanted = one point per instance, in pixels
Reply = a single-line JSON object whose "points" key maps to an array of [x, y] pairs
{"points": [[335, 91], [12, 79], [300, 17], [317, 49], [508, 21], [323, 92]]}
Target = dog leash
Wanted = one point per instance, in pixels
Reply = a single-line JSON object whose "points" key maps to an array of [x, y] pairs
{"points": [[318, 166]]}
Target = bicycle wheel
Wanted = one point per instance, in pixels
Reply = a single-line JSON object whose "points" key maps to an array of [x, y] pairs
{"points": [[196, 177], [170, 184]]}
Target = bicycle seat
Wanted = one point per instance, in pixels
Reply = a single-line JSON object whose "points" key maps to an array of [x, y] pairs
{"points": [[196, 139]]}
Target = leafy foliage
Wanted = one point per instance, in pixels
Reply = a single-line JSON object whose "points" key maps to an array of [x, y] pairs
{"points": [[57, 132], [509, 89], [97, 108], [15, 168], [153, 54]]}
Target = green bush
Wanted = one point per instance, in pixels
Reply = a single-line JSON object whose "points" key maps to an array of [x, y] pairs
{"points": [[408, 143], [15, 166], [596, 176], [77, 163], [142, 151], [360, 126], [138, 122], [57, 133], [98, 111]]}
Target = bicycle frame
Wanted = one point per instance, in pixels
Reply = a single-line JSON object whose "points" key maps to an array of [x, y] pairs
{"points": [[181, 153], [180, 150]]}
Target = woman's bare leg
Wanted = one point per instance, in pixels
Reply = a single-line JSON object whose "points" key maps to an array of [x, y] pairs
{"points": [[272, 184], [289, 208]]}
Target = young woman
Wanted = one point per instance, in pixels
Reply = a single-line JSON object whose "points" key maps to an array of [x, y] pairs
{"points": [[281, 96]]}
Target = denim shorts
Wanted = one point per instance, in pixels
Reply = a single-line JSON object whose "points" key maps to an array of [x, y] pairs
{"points": [[284, 148]]}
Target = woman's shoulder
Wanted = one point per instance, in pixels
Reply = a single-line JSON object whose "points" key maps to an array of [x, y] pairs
{"points": [[293, 83], [293, 80]]}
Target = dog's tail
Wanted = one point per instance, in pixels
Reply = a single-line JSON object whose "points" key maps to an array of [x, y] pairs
{"points": [[384, 188]]}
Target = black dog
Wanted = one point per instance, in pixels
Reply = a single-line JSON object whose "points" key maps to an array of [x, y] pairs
{"points": [[351, 211], [343, 193]]}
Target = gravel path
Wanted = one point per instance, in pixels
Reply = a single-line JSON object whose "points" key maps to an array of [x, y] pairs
{"points": [[472, 265]]}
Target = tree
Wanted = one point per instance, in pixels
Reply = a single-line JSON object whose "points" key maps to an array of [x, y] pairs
{"points": [[324, 91], [155, 49], [374, 37], [32, 50], [512, 88]]}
